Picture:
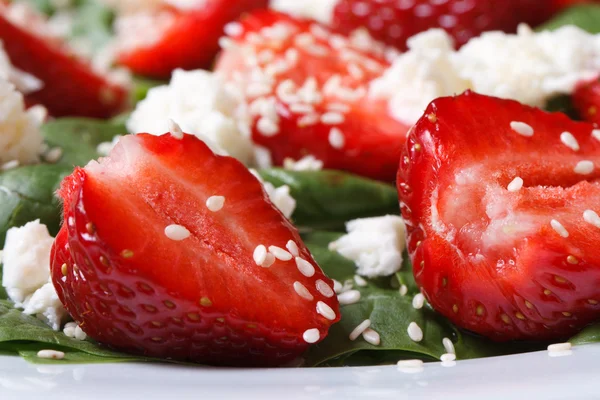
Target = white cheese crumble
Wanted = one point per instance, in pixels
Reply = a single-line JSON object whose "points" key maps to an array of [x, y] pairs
{"points": [[20, 137], [306, 163], [203, 105], [320, 10], [374, 244], [24, 82], [280, 197], [26, 273], [528, 66]]}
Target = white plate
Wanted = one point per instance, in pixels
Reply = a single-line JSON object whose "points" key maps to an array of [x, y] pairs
{"points": [[527, 376]]}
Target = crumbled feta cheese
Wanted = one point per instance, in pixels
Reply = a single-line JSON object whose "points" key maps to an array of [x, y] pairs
{"points": [[24, 82], [306, 163], [320, 10], [280, 197], [26, 273], [425, 72], [528, 66], [141, 29], [203, 105], [20, 137], [374, 244]]}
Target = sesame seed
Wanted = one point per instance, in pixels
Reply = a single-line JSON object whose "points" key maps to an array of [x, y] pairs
{"points": [[233, 29], [311, 335], [265, 56], [448, 345], [414, 332], [356, 332], [301, 108], [51, 354], [596, 134], [332, 118], [515, 185], [591, 217], [371, 337], [10, 165], [559, 228], [569, 140], [585, 167], [339, 107], [260, 254], [308, 120], [304, 39], [317, 50], [292, 248], [336, 138], [302, 291], [349, 297], [403, 290], [522, 128], [215, 203], [325, 310], [418, 301], [177, 232], [448, 357], [79, 334], [360, 281], [337, 286], [267, 127], [269, 260], [226, 43], [257, 89], [291, 55], [175, 129], [355, 71], [324, 288], [415, 363], [53, 155], [560, 347], [305, 267], [280, 253]]}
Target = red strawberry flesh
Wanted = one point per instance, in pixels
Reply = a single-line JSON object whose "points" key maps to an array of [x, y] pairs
{"points": [[497, 261], [204, 298], [311, 83]]}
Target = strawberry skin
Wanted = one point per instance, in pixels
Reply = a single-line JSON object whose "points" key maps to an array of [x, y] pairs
{"points": [[393, 22], [191, 41], [503, 258], [307, 91], [203, 298], [70, 88], [586, 99]]}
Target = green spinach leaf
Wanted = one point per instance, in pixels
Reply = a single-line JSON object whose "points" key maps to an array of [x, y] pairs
{"points": [[390, 314], [585, 16], [591, 334], [79, 137], [327, 199]]}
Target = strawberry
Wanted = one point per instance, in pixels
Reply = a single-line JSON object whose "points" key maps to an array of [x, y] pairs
{"points": [[70, 86], [501, 202], [307, 91], [393, 22], [586, 99], [187, 39], [150, 262]]}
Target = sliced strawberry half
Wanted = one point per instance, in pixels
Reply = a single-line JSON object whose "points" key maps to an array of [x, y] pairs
{"points": [[70, 86], [393, 21], [307, 91], [161, 267], [586, 99], [174, 38], [501, 202]]}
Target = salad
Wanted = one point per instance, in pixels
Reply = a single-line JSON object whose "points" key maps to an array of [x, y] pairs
{"points": [[286, 183]]}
